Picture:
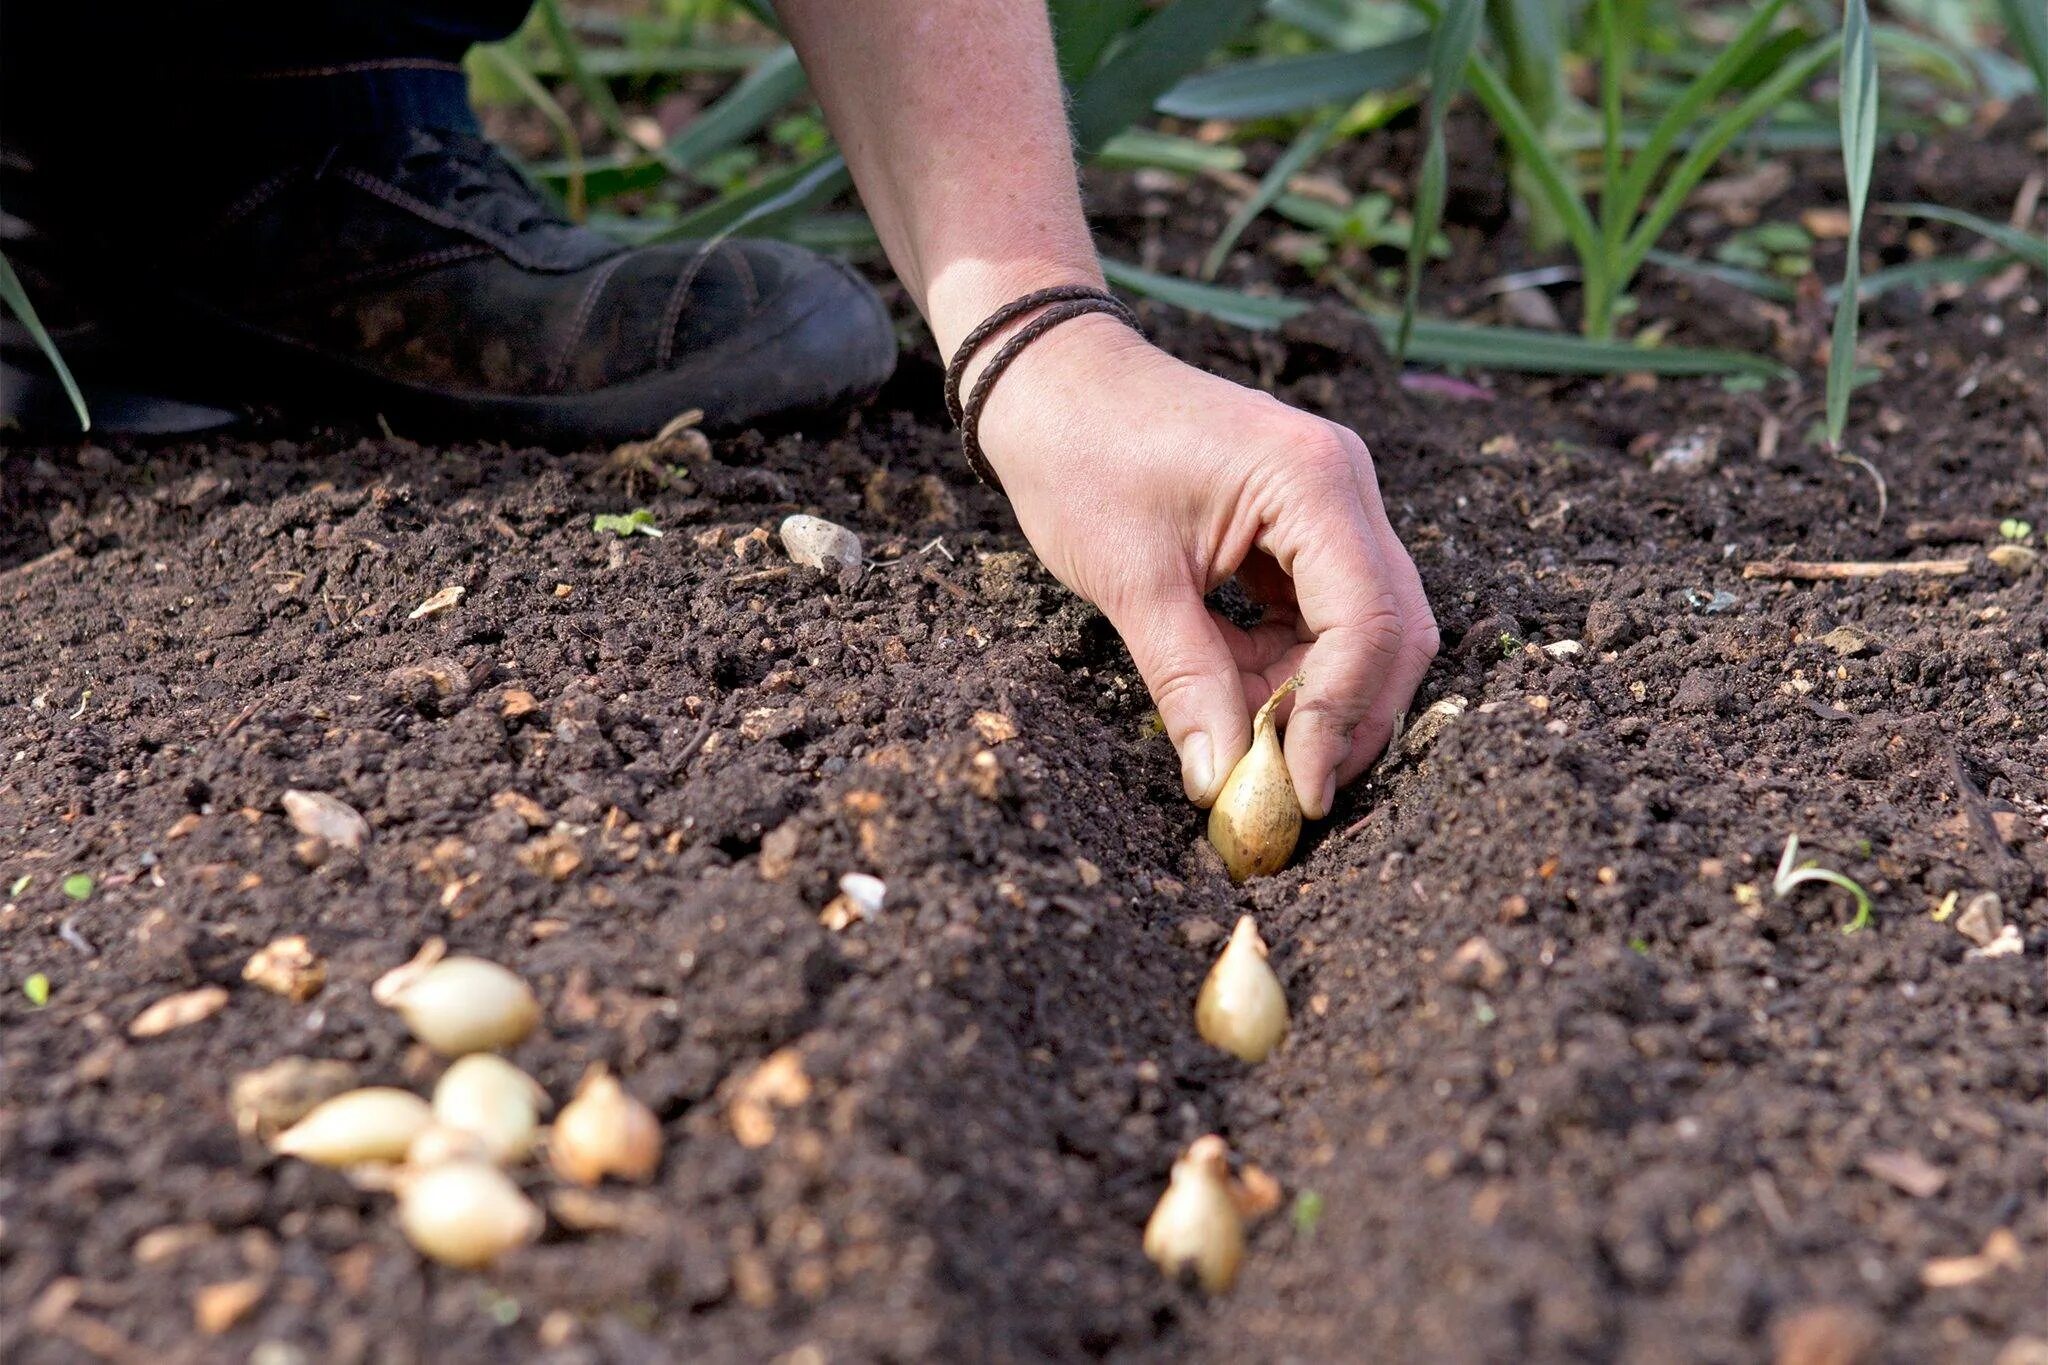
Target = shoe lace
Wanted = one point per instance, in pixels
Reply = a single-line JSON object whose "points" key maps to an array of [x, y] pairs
{"points": [[480, 173]]}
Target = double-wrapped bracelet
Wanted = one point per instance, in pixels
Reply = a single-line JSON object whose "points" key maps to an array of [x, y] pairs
{"points": [[1062, 303]]}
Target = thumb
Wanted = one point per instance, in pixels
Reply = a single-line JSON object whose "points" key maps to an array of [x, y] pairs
{"points": [[1181, 651]]}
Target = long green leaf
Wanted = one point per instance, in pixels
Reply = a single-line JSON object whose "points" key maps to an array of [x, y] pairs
{"points": [[2027, 23], [1452, 343], [1173, 42], [16, 299], [1083, 31], [1307, 145], [1912, 275], [1250, 90], [1678, 186], [1690, 104], [741, 111], [595, 92], [1450, 50], [2021, 243], [761, 209], [1136, 147], [1859, 151], [499, 56], [1551, 179]]}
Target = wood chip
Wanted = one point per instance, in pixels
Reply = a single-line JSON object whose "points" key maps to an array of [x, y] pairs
{"points": [[326, 817], [778, 1082], [218, 1307], [444, 600], [179, 1011], [288, 967], [1908, 1172], [994, 727], [2001, 1251]]}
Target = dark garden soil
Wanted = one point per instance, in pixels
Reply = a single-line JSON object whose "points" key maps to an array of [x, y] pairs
{"points": [[1675, 1119]]}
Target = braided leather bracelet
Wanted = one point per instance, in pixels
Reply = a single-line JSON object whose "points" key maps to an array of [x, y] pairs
{"points": [[1067, 302]]}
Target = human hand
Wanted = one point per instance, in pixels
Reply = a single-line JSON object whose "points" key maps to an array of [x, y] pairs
{"points": [[1144, 483]]}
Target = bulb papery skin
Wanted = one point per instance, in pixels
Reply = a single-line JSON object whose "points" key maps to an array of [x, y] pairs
{"points": [[465, 1213], [377, 1123], [465, 1004], [1242, 1008], [1256, 820], [487, 1096], [604, 1131], [1196, 1225]]}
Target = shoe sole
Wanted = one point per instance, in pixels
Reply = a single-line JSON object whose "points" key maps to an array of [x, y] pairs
{"points": [[825, 352]]}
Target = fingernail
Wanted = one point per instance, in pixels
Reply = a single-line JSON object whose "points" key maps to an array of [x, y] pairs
{"points": [[1198, 766], [1329, 795]]}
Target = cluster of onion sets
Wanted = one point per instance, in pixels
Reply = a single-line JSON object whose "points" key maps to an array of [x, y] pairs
{"points": [[1197, 1228], [446, 1158]]}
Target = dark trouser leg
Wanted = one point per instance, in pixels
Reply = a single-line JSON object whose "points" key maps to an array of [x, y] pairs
{"points": [[188, 86]]}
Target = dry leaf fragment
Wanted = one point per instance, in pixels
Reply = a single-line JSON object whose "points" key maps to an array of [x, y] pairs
{"points": [[218, 1307], [287, 967], [1255, 1193], [1476, 964], [326, 817], [517, 702], [525, 807], [1982, 918], [441, 601], [177, 1011], [778, 1082]]}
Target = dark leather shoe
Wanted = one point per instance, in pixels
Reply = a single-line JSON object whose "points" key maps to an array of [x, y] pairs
{"points": [[421, 276]]}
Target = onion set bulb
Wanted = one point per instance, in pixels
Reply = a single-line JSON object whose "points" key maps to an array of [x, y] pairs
{"points": [[604, 1131], [465, 1213], [459, 1005], [1196, 1226], [1257, 819], [1241, 1007]]}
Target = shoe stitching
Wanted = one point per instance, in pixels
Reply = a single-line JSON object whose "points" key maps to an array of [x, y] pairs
{"points": [[672, 315], [426, 260], [748, 281], [391, 194], [256, 198], [347, 68], [558, 373]]}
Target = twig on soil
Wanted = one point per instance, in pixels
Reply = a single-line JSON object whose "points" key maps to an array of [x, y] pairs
{"points": [[760, 576], [242, 718], [68, 931], [691, 746], [1770, 1203], [1979, 814], [1837, 570]]}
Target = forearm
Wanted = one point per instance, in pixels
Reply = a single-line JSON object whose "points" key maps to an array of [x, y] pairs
{"points": [[951, 118]]}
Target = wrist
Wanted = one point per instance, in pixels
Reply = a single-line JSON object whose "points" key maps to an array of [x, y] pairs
{"points": [[970, 290]]}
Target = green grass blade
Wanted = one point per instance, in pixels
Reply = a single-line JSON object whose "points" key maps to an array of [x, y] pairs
{"points": [[16, 299], [1135, 147], [1912, 275], [595, 92], [1307, 145], [1083, 31], [1451, 46], [1250, 90], [1679, 185], [515, 73], [1548, 174], [1452, 343], [741, 111], [1859, 150], [2027, 246], [1686, 109], [1531, 38], [2026, 21], [1173, 42], [758, 211]]}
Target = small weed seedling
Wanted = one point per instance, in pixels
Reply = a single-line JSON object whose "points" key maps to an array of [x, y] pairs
{"points": [[1308, 1211], [1791, 872], [37, 989], [2015, 530], [78, 886], [638, 522]]}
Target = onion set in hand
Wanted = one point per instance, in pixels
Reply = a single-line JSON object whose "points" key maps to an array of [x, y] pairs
{"points": [[1257, 819]]}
